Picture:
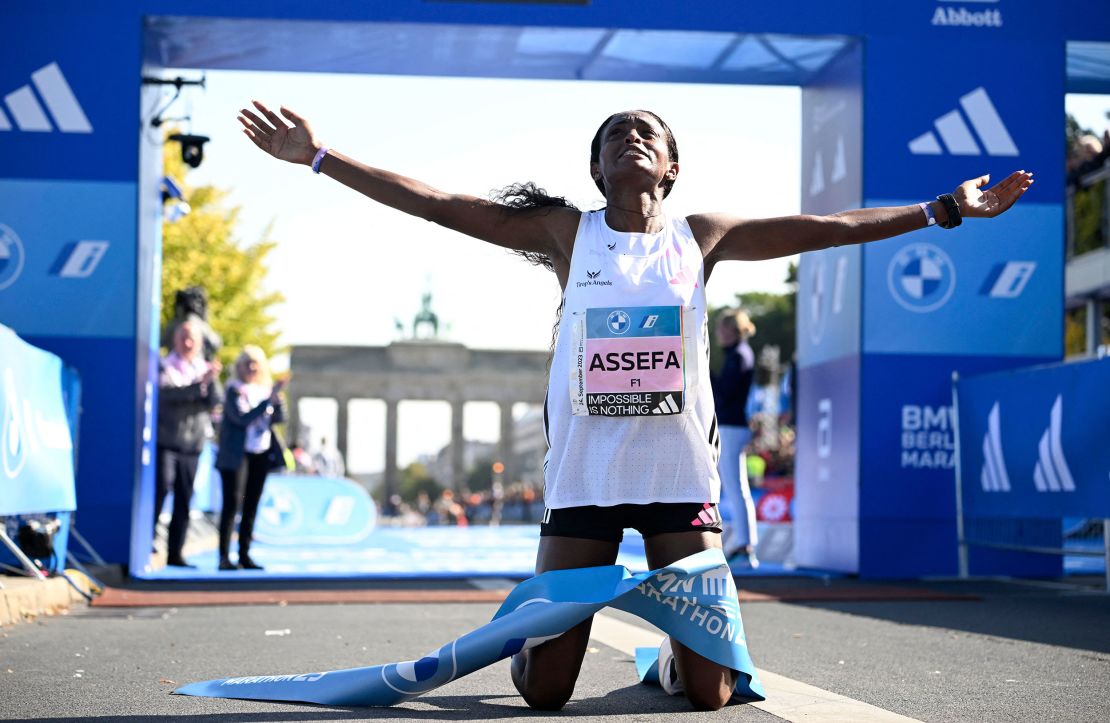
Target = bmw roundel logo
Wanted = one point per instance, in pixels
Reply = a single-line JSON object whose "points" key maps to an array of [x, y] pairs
{"points": [[11, 256], [279, 511], [618, 322], [921, 277]]}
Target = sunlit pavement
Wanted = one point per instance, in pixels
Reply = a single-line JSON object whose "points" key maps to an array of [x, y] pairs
{"points": [[997, 651]]}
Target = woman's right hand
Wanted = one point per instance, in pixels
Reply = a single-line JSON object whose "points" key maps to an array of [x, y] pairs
{"points": [[296, 144]]}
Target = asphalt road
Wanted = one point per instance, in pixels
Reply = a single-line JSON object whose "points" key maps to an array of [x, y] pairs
{"points": [[1016, 653]]}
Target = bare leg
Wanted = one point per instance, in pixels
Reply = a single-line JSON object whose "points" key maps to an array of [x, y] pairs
{"points": [[708, 685], [545, 675]]}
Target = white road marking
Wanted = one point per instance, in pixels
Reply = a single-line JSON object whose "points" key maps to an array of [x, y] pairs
{"points": [[787, 698]]}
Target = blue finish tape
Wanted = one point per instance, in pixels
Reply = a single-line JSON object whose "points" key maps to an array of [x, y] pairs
{"points": [[693, 600]]}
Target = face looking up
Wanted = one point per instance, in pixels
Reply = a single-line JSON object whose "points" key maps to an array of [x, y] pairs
{"points": [[634, 148]]}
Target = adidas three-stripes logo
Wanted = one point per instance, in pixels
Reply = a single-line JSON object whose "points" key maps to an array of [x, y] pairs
{"points": [[707, 515], [993, 475], [958, 138], [55, 93], [1051, 473], [667, 406]]}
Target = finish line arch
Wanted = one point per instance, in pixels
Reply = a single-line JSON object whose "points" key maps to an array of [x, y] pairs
{"points": [[900, 101]]}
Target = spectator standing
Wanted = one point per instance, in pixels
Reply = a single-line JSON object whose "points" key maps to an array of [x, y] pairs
{"points": [[328, 461], [731, 388], [249, 449], [188, 391]]}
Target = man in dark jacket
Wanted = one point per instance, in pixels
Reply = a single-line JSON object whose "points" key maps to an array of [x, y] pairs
{"points": [[188, 391]]}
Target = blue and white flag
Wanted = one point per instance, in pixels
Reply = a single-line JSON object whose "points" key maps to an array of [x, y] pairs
{"points": [[693, 600]]}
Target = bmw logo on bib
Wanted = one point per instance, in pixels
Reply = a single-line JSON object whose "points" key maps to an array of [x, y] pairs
{"points": [[921, 277], [619, 322]]}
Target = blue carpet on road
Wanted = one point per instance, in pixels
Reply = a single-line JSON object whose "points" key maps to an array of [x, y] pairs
{"points": [[410, 552]]}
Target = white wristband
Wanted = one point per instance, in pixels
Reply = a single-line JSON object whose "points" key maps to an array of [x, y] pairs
{"points": [[930, 219]]}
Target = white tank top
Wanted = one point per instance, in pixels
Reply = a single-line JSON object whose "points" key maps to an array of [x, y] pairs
{"points": [[629, 413]]}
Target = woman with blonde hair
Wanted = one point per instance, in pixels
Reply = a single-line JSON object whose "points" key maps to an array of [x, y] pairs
{"points": [[731, 386], [253, 404]]}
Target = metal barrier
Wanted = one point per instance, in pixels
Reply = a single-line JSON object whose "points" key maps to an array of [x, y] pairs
{"points": [[1033, 467]]}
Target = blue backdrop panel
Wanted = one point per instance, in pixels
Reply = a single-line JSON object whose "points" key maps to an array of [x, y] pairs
{"points": [[989, 287], [1033, 443], [827, 492], [69, 121], [832, 108], [73, 73], [829, 305], [77, 241], [829, 280], [907, 487], [36, 433], [955, 126]]}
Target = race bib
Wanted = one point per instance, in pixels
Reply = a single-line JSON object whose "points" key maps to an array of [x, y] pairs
{"points": [[632, 361]]}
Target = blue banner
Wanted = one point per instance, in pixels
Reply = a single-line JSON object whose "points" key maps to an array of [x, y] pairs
{"points": [[1033, 442], [70, 245], [693, 600], [300, 510], [633, 321], [827, 490], [968, 291], [36, 436]]}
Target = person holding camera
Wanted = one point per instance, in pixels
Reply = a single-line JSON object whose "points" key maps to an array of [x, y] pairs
{"points": [[188, 391], [249, 449]]}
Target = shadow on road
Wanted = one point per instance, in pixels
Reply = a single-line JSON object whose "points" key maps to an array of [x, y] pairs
{"points": [[1068, 618], [439, 708]]}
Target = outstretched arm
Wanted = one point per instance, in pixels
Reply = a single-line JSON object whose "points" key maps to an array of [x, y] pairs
{"points": [[548, 230], [728, 238]]}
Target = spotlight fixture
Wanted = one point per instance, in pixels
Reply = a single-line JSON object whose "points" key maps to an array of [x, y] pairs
{"points": [[192, 147]]}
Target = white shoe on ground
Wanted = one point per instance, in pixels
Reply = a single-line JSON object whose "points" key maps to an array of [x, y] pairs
{"points": [[668, 669]]}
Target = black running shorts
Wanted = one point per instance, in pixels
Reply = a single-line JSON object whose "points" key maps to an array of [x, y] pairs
{"points": [[608, 523]]}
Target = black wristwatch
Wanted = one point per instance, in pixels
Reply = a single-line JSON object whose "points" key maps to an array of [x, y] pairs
{"points": [[952, 209]]}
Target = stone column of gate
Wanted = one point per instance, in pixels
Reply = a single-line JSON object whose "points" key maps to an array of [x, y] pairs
{"points": [[341, 419], [293, 415], [390, 472], [505, 444], [458, 473]]}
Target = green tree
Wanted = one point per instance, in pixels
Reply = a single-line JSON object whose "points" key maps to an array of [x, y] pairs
{"points": [[773, 316], [200, 249], [1086, 202], [415, 479], [480, 476]]}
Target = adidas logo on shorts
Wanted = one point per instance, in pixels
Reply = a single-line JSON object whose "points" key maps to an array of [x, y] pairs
{"points": [[707, 517]]}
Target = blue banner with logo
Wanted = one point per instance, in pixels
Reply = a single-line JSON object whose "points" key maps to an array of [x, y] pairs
{"points": [[36, 438], [693, 600], [300, 510], [968, 291], [1034, 442]]}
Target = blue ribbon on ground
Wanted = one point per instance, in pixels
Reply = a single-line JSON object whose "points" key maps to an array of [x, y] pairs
{"points": [[693, 600]]}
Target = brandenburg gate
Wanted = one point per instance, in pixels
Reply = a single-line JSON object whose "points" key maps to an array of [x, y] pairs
{"points": [[419, 369]]}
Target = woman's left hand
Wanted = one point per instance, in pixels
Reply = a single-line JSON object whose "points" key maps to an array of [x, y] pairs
{"points": [[978, 203]]}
